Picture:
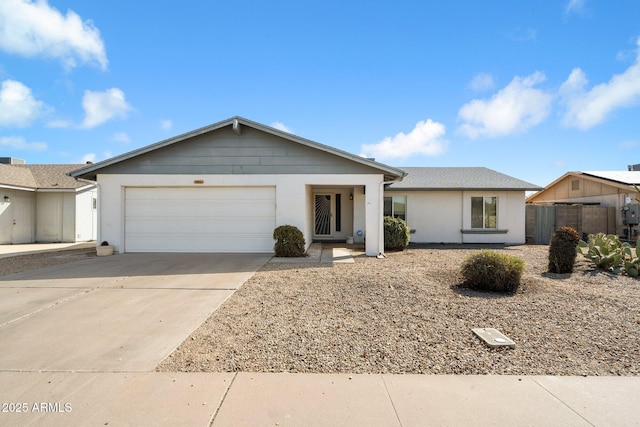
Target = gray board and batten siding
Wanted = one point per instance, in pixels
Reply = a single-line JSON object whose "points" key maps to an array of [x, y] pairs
{"points": [[222, 152]]}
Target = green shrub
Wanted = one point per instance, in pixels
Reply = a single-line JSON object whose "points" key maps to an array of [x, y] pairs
{"points": [[492, 271], [609, 253], [396, 233], [562, 251], [289, 241]]}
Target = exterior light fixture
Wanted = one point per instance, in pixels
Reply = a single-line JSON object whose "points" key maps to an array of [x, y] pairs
{"points": [[351, 196], [7, 199]]}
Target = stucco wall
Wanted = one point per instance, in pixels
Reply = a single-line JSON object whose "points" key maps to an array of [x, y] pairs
{"points": [[55, 217], [435, 216], [292, 199], [440, 216], [17, 217]]}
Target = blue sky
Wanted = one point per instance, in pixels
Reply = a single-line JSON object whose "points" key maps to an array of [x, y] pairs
{"points": [[532, 89]]}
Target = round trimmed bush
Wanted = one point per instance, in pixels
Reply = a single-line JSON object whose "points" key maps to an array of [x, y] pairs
{"points": [[396, 234], [563, 250], [492, 271], [289, 241]]}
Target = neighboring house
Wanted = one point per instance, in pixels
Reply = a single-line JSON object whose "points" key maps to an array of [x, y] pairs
{"points": [[609, 189], [460, 205], [225, 187], [41, 203]]}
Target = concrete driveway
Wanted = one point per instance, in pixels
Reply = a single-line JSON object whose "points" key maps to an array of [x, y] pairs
{"points": [[123, 313]]}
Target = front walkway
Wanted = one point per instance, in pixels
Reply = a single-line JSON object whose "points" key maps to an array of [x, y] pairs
{"points": [[325, 253]]}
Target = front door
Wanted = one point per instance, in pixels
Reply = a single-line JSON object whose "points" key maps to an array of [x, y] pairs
{"points": [[323, 215], [22, 231]]}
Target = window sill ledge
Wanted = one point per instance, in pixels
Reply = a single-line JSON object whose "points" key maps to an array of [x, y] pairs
{"points": [[483, 231]]}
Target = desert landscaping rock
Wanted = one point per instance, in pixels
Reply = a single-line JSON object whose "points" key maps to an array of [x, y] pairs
{"points": [[19, 263], [408, 314]]}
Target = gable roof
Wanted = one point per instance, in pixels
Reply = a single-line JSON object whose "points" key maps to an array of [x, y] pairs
{"points": [[40, 177], [459, 178], [91, 171], [619, 179]]}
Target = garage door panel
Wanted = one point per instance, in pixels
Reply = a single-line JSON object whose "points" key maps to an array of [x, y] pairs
{"points": [[195, 226], [221, 219], [205, 208], [200, 243]]}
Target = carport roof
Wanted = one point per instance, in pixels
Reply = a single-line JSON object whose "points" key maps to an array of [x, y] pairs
{"points": [[90, 172], [40, 177]]}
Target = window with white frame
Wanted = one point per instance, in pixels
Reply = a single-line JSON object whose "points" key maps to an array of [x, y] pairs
{"points": [[484, 212], [396, 206]]}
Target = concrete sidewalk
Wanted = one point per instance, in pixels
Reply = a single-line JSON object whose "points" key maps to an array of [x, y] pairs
{"points": [[280, 399]]}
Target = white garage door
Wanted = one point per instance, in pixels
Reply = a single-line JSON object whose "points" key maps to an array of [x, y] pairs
{"points": [[220, 219]]}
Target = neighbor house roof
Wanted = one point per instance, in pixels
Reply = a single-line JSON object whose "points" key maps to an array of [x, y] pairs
{"points": [[40, 177], [622, 177], [91, 171], [459, 178]]}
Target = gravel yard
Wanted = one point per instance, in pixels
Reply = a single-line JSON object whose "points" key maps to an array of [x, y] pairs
{"points": [[18, 263], [407, 314]]}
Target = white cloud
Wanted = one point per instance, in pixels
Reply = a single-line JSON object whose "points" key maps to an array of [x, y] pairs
{"points": [[100, 107], [59, 124], [92, 157], [587, 108], [425, 139], [482, 82], [121, 137], [513, 109], [19, 143], [281, 126], [33, 28], [18, 107], [575, 6], [89, 157], [166, 124]]}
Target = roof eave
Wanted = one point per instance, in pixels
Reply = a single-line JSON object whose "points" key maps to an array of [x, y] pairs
{"points": [[17, 187], [461, 189]]}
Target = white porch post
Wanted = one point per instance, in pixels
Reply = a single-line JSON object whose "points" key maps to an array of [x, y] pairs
{"points": [[373, 220]]}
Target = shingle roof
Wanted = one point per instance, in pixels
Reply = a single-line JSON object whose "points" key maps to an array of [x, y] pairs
{"points": [[18, 177], [623, 177], [459, 178], [43, 177]]}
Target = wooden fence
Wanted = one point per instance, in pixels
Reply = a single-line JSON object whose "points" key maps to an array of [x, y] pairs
{"points": [[543, 221]]}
